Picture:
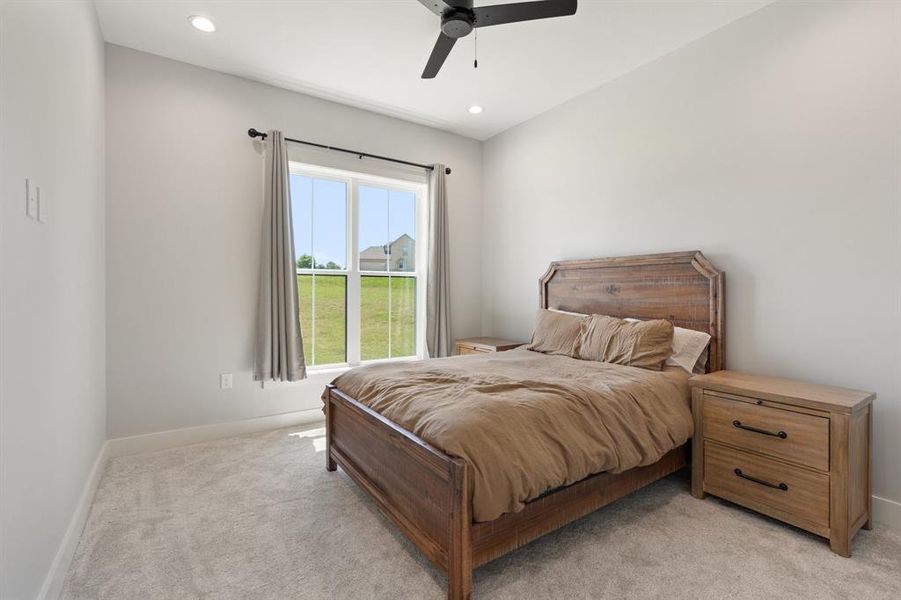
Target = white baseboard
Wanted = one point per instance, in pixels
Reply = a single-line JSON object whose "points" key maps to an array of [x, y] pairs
{"points": [[887, 512], [192, 435], [56, 576]]}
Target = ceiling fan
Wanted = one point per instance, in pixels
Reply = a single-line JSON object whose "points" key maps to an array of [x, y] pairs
{"points": [[459, 18]]}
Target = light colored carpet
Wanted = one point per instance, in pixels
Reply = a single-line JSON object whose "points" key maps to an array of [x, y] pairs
{"points": [[259, 517]]}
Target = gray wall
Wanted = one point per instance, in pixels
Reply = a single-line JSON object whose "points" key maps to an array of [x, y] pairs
{"points": [[773, 146], [52, 356], [184, 210]]}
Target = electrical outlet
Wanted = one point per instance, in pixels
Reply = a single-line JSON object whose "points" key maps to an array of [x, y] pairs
{"points": [[225, 381]]}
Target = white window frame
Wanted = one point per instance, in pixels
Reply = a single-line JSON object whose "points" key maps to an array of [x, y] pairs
{"points": [[353, 180]]}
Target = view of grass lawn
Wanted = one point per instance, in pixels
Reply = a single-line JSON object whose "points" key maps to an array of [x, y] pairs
{"points": [[330, 331], [331, 298]]}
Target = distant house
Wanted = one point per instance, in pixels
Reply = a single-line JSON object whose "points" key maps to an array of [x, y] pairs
{"points": [[401, 253]]}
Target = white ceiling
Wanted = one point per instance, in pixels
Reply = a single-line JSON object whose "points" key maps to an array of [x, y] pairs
{"points": [[370, 53]]}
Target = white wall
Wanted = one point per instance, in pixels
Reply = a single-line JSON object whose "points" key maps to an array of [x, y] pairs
{"points": [[52, 340], [183, 233], [774, 146]]}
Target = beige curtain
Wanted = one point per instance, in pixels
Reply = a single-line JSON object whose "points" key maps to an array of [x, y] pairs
{"points": [[437, 332], [279, 348]]}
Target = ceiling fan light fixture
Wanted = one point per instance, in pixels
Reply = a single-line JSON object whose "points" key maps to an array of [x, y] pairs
{"points": [[475, 109], [201, 23], [459, 18]]}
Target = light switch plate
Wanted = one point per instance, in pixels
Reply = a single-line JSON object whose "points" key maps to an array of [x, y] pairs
{"points": [[31, 203], [225, 381]]}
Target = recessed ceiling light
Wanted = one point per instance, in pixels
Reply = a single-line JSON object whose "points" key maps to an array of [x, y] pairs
{"points": [[475, 109], [204, 24]]}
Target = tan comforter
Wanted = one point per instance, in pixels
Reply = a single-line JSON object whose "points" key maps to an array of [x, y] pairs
{"points": [[529, 422]]}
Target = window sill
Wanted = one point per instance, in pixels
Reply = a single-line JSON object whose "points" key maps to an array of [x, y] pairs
{"points": [[330, 372]]}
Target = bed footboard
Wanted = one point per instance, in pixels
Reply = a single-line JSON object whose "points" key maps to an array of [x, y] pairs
{"points": [[428, 494], [425, 492]]}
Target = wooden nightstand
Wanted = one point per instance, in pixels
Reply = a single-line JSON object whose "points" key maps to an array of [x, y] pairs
{"points": [[795, 451], [482, 345]]}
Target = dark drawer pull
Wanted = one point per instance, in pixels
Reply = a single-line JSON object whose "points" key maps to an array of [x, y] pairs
{"points": [[778, 486], [778, 434]]}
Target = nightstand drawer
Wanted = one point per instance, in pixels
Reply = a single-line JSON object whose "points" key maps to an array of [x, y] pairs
{"points": [[465, 349], [793, 436], [790, 493], [484, 345]]}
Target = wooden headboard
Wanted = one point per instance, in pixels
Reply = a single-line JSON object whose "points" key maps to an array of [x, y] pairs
{"points": [[682, 287]]}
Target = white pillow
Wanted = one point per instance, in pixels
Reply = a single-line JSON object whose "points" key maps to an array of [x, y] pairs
{"points": [[566, 312], [690, 348], [701, 365]]}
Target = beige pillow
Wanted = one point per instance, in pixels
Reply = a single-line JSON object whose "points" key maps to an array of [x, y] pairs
{"points": [[690, 349], [556, 333], [645, 344]]}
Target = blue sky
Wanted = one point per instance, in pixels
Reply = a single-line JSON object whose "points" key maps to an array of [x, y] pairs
{"points": [[319, 214]]}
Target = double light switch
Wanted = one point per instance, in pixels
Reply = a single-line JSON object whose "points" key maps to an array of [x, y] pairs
{"points": [[35, 204]]}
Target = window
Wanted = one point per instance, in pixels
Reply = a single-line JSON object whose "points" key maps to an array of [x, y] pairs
{"points": [[360, 256]]}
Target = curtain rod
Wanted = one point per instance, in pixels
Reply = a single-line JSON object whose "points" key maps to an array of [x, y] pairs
{"points": [[259, 134]]}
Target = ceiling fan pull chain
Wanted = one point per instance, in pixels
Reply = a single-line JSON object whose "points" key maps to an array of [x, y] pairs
{"points": [[475, 62]]}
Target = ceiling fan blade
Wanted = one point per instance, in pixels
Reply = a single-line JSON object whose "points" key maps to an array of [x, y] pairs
{"points": [[501, 14], [439, 6], [436, 6], [442, 48]]}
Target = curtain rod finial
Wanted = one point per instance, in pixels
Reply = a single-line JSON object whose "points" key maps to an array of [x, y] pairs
{"points": [[254, 133], [447, 171]]}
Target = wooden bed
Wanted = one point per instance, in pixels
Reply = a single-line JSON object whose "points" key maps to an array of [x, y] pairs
{"points": [[428, 494]]}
